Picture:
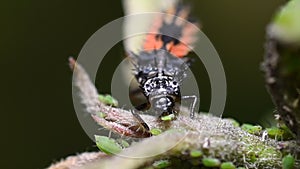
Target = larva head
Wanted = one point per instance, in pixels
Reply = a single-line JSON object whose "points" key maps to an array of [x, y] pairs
{"points": [[162, 92], [160, 84], [159, 75]]}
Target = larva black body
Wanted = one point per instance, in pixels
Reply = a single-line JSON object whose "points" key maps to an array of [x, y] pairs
{"points": [[161, 66]]}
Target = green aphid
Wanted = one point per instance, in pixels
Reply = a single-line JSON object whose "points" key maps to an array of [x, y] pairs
{"points": [[168, 117], [161, 164], [211, 162], [234, 122], [107, 145], [227, 165], [275, 132], [108, 100], [252, 129], [281, 133], [288, 162], [101, 114], [123, 143], [155, 131], [196, 153]]}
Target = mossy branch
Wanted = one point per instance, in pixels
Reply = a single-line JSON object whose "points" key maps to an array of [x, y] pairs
{"points": [[282, 64], [203, 141]]}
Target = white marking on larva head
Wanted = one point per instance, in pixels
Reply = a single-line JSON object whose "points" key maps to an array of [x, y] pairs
{"points": [[140, 79]]}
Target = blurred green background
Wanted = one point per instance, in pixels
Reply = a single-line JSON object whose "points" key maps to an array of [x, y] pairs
{"points": [[37, 37]]}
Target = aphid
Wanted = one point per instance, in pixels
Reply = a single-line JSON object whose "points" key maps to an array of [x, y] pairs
{"points": [[161, 67]]}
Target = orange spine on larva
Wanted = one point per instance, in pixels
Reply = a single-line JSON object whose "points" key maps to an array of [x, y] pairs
{"points": [[174, 21]]}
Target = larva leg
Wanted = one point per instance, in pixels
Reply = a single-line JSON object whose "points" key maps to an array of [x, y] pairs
{"points": [[192, 105], [140, 120]]}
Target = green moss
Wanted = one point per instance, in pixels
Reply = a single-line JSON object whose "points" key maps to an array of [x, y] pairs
{"points": [[252, 156], [268, 151]]}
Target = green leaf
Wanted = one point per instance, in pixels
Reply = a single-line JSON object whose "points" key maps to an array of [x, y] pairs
{"points": [[286, 24]]}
